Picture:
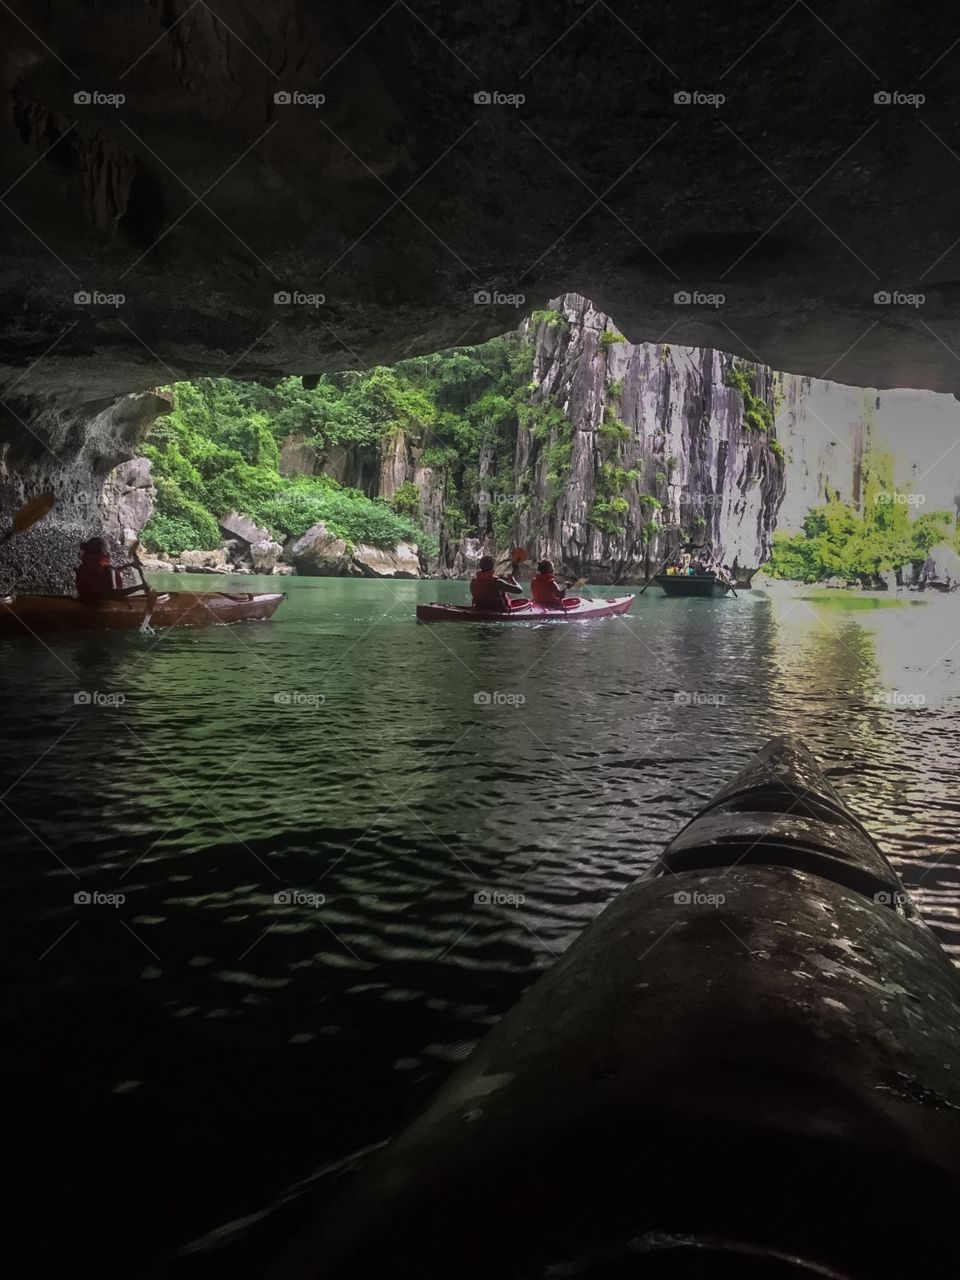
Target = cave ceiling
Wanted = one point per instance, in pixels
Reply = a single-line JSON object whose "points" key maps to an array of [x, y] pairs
{"points": [[257, 190]]}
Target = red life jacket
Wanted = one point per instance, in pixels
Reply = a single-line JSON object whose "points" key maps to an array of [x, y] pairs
{"points": [[487, 592], [95, 580], [545, 590]]}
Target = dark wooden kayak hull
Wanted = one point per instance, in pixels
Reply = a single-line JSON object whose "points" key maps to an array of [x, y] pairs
{"points": [[748, 1065], [705, 585], [527, 611], [40, 615]]}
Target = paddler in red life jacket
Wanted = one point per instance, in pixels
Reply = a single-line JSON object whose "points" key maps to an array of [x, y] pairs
{"points": [[97, 580], [490, 592], [547, 591]]}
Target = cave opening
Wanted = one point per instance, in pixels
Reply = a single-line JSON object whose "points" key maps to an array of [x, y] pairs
{"points": [[612, 931]]}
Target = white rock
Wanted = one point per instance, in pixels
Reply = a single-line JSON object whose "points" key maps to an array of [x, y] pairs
{"points": [[265, 555], [382, 562]]}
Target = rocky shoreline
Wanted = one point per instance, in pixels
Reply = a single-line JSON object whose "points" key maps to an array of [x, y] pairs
{"points": [[250, 549]]}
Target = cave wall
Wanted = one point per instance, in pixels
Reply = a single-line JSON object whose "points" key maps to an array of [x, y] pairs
{"points": [[100, 486], [297, 189]]}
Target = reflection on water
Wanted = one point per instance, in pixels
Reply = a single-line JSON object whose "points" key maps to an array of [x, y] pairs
{"points": [[339, 866]]}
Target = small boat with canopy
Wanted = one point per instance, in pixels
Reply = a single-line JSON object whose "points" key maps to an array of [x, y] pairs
{"points": [[692, 569]]}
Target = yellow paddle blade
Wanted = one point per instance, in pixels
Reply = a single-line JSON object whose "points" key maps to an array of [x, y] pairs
{"points": [[580, 582], [32, 511], [518, 555]]}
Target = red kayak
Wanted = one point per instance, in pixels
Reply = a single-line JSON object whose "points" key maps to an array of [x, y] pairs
{"points": [[524, 611], [40, 614]]}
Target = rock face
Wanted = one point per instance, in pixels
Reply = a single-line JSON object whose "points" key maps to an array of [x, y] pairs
{"points": [[321, 553], [685, 440], [317, 552], [653, 444], [380, 562], [265, 555], [941, 569], [683, 435], [235, 525], [75, 458], [128, 499], [679, 197], [829, 432], [203, 561]]}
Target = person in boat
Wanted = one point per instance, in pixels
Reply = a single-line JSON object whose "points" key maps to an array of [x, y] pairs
{"points": [[97, 579], [547, 591], [490, 592]]}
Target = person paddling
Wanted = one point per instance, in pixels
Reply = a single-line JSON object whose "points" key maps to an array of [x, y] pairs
{"points": [[547, 591], [97, 580], [490, 592]]}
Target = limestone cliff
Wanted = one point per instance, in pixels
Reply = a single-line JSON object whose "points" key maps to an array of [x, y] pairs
{"points": [[625, 451], [628, 448], [669, 419], [830, 432]]}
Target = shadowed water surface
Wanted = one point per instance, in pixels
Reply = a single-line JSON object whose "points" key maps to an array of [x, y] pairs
{"points": [[346, 843]]}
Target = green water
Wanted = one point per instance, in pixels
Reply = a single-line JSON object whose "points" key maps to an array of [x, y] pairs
{"points": [[433, 851]]}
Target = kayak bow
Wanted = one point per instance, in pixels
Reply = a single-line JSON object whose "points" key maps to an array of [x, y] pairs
{"points": [[722, 1077]]}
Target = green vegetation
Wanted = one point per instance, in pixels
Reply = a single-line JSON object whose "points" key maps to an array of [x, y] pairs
{"points": [[612, 428], [757, 414], [609, 339], [406, 501], [220, 448], [219, 451], [837, 541], [553, 319], [464, 414], [608, 514]]}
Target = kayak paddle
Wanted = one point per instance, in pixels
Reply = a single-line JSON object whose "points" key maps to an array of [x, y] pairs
{"points": [[151, 595], [29, 514]]}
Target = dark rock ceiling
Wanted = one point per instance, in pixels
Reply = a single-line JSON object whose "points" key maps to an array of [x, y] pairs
{"points": [[202, 194]]}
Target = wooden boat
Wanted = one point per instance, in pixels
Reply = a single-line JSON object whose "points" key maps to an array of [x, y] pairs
{"points": [[524, 611], [38, 615], [709, 582], [719, 1078], [709, 585]]}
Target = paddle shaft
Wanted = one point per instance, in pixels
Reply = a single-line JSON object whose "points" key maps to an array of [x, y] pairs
{"points": [[659, 567], [29, 514]]}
